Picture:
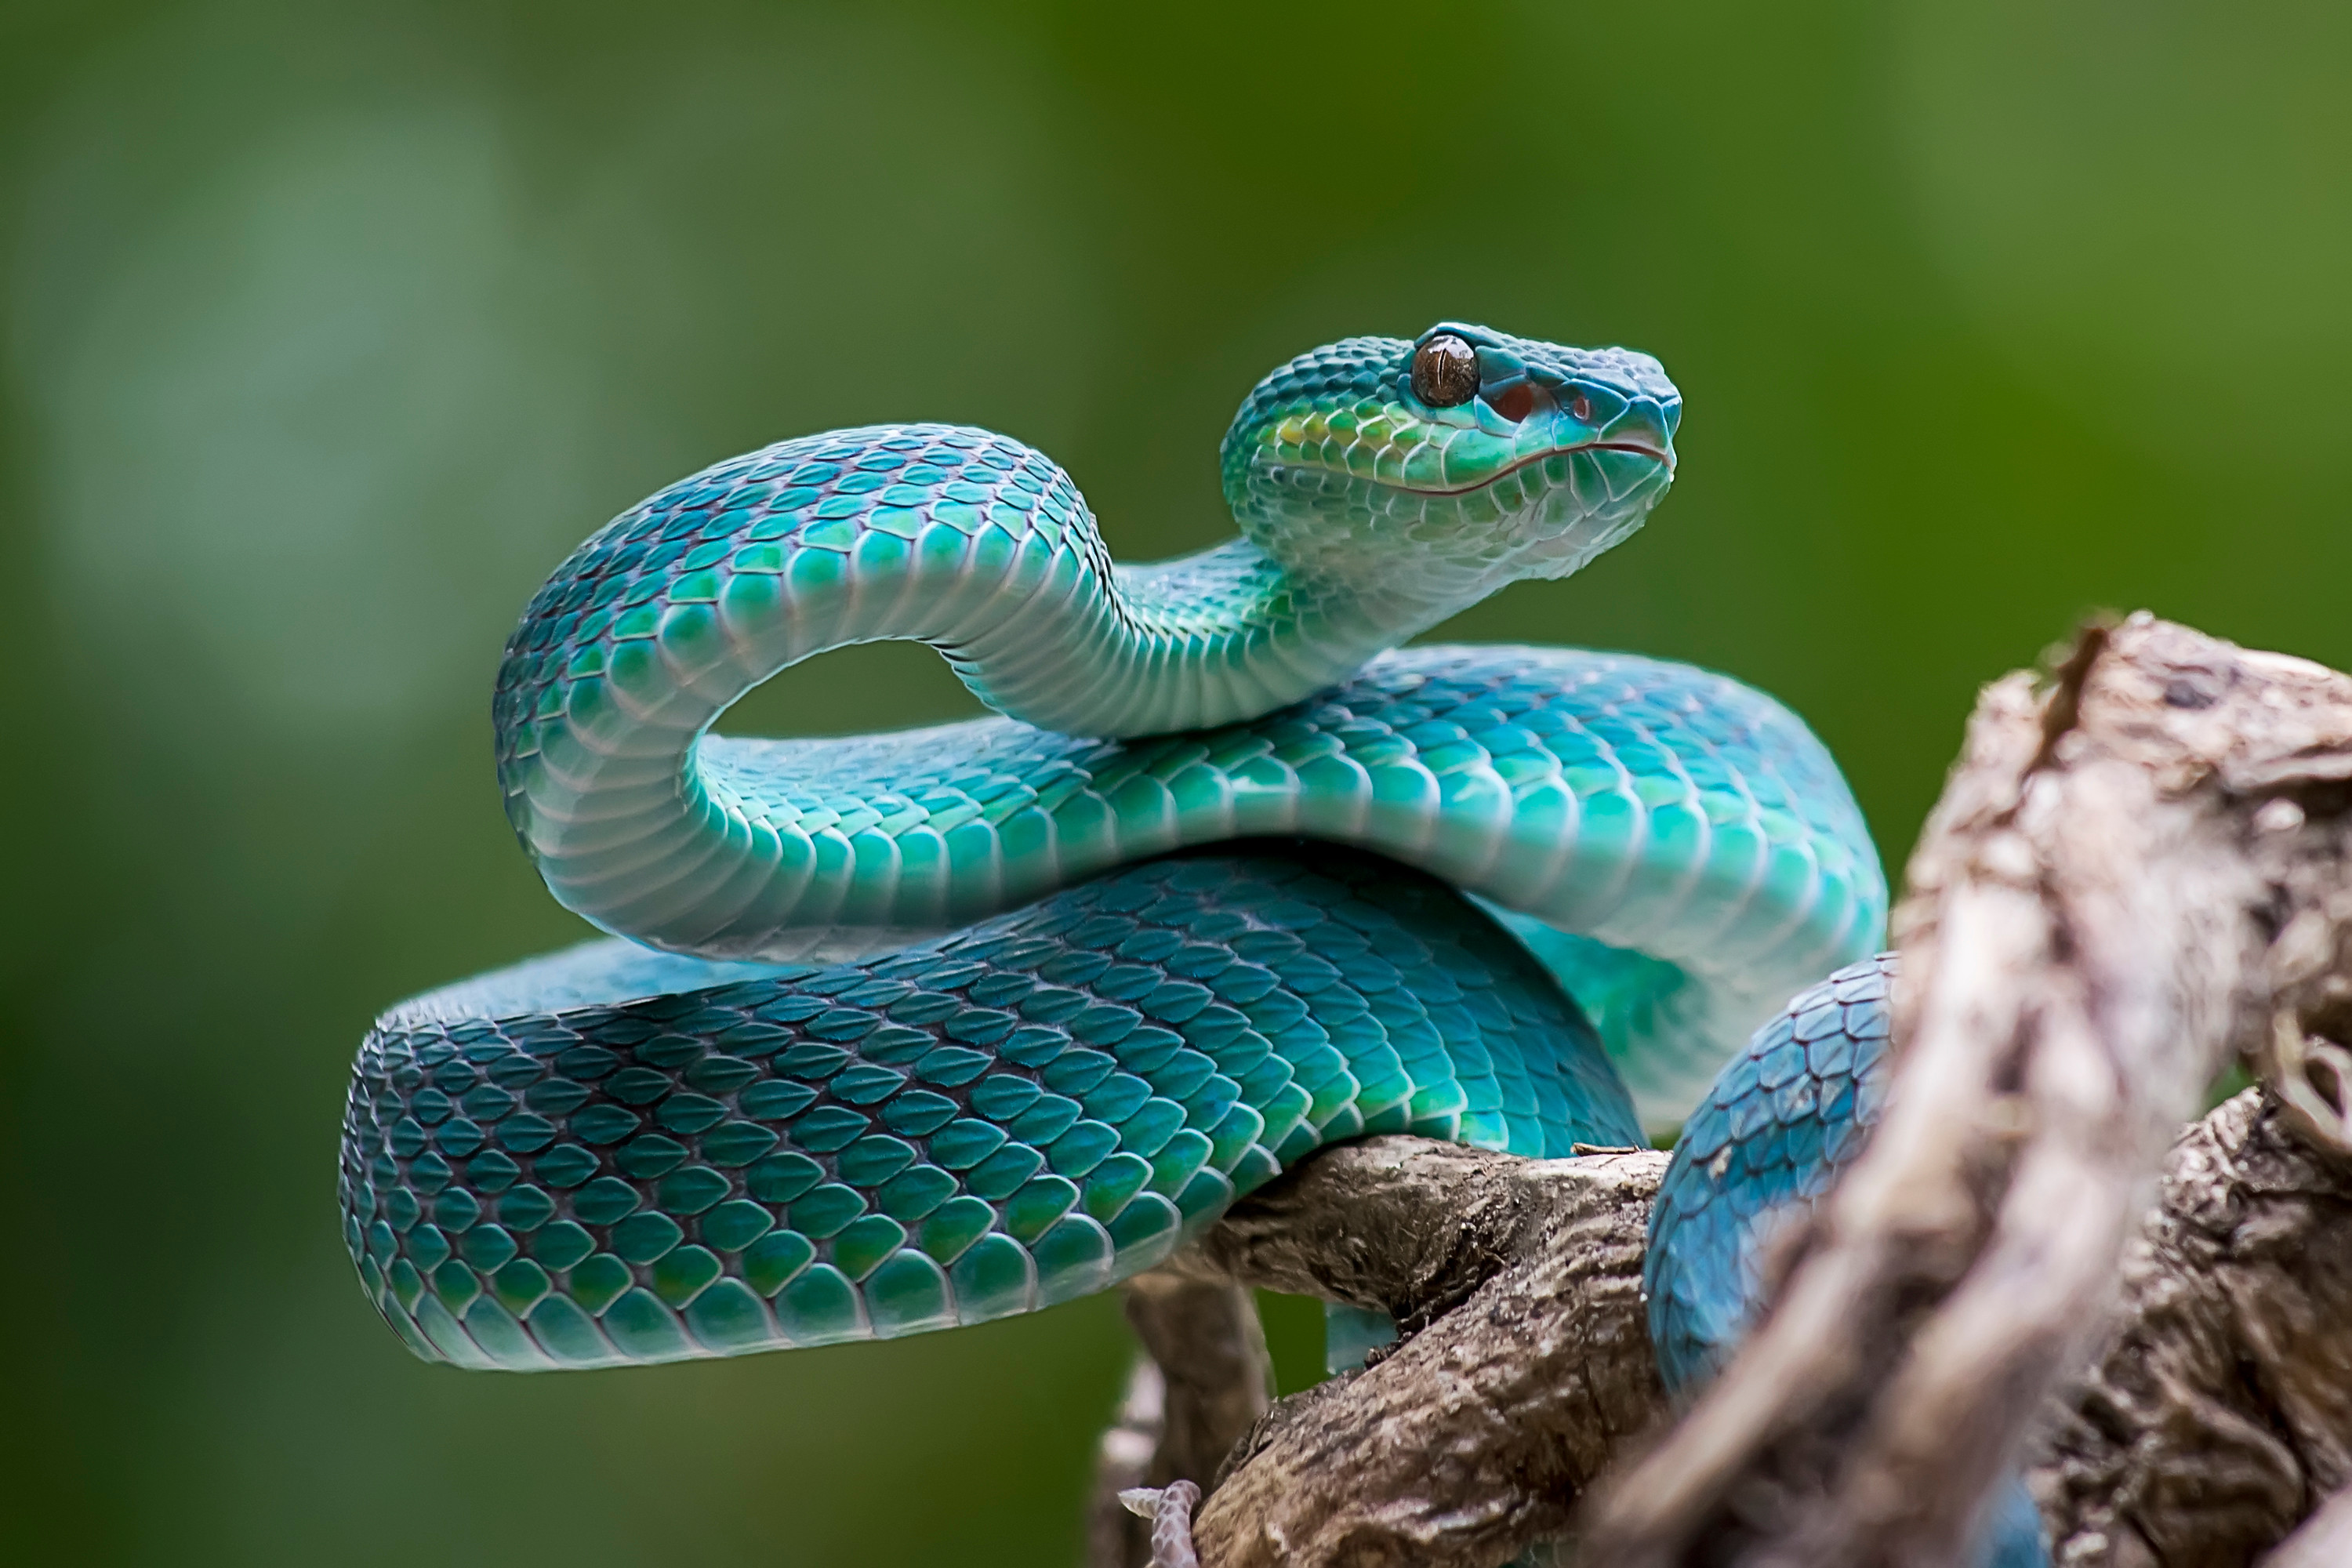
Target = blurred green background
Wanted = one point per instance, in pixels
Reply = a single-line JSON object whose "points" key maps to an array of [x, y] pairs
{"points": [[330, 329]]}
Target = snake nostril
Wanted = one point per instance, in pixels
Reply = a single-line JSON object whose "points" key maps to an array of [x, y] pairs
{"points": [[1580, 407]]}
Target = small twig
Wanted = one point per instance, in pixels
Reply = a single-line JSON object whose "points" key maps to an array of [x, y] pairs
{"points": [[1122, 1464]]}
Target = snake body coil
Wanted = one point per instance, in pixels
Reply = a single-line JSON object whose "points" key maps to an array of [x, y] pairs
{"points": [[913, 1030]]}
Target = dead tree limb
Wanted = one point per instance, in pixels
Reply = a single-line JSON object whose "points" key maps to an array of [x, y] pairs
{"points": [[2136, 870], [2324, 1542], [2215, 1417], [2095, 924], [1200, 1382], [2220, 1410], [1527, 1360]]}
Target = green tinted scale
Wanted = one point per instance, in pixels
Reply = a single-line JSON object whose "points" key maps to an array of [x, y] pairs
{"points": [[888, 1232], [938, 828], [618, 1155]]}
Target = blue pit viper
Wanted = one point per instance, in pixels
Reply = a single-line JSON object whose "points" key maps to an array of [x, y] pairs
{"points": [[905, 1031]]}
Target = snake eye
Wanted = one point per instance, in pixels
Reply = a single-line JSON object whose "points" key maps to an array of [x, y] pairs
{"points": [[1444, 372]]}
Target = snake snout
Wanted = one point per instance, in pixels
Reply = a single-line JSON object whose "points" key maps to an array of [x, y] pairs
{"points": [[1646, 432], [1620, 401]]}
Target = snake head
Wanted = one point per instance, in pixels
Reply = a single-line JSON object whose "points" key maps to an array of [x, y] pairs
{"points": [[1440, 467]]}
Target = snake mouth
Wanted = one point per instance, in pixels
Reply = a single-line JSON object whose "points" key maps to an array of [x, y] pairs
{"points": [[1663, 458]]}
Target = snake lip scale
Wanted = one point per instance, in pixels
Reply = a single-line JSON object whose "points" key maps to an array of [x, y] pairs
{"points": [[893, 1033], [1664, 458]]}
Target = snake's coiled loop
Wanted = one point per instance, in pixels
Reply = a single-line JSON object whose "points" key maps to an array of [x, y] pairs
{"points": [[921, 1029]]}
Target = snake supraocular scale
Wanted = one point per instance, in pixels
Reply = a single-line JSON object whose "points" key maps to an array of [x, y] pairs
{"points": [[921, 1029]]}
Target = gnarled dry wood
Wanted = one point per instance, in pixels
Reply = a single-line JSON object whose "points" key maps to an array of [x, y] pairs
{"points": [[2324, 1542], [1519, 1284], [2134, 873], [2220, 1408], [2091, 930]]}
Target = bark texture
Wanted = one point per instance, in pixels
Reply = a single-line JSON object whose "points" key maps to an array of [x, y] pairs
{"points": [[2324, 1541], [2220, 1410], [2141, 867], [1201, 1382], [1526, 1358], [2136, 871]]}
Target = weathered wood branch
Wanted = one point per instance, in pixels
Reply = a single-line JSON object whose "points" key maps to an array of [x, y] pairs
{"points": [[2220, 1410], [1526, 1359], [2324, 1541], [2095, 921], [2139, 869], [1201, 1382], [2217, 1414]]}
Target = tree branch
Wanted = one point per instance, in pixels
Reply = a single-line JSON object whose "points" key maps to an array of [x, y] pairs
{"points": [[2088, 937], [1201, 1382], [2135, 871], [2324, 1542], [2220, 1408], [1519, 1284]]}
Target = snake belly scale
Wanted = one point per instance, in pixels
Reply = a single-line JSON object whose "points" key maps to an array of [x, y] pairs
{"points": [[899, 1032]]}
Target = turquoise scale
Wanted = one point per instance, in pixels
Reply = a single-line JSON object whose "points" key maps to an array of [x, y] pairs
{"points": [[1027, 1112], [1536, 778], [902, 1032], [918, 1029], [1685, 839]]}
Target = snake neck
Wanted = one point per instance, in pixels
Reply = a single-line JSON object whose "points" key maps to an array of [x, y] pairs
{"points": [[964, 539], [1223, 635], [1373, 500]]}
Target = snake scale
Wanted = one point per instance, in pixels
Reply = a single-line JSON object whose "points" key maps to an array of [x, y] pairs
{"points": [[905, 1031]]}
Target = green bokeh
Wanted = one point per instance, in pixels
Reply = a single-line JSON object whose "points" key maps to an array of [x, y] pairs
{"points": [[328, 330]]}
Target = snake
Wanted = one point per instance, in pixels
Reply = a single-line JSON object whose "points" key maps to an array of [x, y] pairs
{"points": [[901, 1032]]}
